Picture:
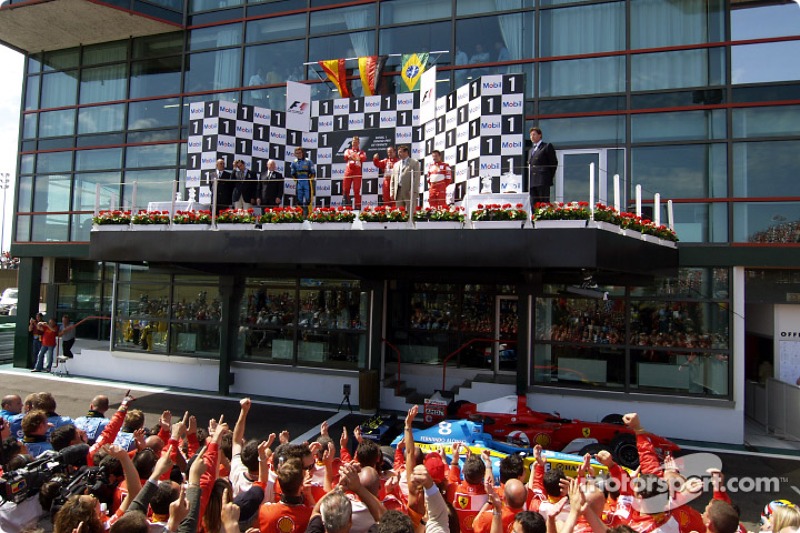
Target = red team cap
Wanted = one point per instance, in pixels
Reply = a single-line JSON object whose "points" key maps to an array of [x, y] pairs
{"points": [[435, 467]]}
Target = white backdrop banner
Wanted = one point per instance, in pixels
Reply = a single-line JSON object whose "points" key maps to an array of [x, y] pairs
{"points": [[298, 106]]}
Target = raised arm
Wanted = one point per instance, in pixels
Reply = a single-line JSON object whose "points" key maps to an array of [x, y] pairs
{"points": [[241, 423]]}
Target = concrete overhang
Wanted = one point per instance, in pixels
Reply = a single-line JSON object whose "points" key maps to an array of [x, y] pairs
{"points": [[501, 250], [43, 25]]}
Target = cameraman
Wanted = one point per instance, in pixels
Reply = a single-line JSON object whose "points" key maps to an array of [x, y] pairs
{"points": [[18, 516]]}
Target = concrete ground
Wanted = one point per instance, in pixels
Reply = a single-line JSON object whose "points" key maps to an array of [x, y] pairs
{"points": [[73, 395]]}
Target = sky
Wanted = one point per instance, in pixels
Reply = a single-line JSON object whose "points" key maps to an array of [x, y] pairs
{"points": [[10, 92]]}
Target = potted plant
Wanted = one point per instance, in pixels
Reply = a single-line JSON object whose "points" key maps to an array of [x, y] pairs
{"points": [[282, 218], [498, 216], [561, 215], [191, 220], [660, 234], [236, 219], [447, 217], [111, 220], [340, 217], [383, 217], [605, 217], [150, 220]]}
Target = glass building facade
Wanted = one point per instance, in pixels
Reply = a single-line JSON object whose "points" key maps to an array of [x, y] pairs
{"points": [[698, 100]]}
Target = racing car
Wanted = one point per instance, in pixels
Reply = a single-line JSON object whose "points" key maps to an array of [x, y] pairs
{"points": [[510, 419], [470, 433]]}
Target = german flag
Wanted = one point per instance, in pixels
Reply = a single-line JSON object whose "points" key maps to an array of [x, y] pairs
{"points": [[337, 75], [370, 68], [412, 69]]}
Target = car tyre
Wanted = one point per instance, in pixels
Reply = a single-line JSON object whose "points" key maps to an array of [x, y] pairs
{"points": [[623, 448], [613, 418]]}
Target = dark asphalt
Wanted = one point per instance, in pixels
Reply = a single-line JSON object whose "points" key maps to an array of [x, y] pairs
{"points": [[74, 394]]}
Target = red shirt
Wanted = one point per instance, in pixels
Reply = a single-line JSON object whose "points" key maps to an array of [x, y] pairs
{"points": [[283, 518], [354, 167], [49, 336], [439, 172], [386, 165]]}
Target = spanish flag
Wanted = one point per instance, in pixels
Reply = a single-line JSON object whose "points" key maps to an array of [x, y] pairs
{"points": [[370, 68], [412, 69], [337, 75]]}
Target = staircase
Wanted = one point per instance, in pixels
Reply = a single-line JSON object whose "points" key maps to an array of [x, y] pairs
{"points": [[400, 395]]}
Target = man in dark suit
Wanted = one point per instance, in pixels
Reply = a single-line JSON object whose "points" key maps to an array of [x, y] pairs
{"points": [[542, 165], [224, 182], [270, 186], [244, 186]]}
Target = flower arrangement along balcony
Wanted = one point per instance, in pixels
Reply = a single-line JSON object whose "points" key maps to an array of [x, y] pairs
{"points": [[150, 217], [662, 232], [113, 216], [451, 213], [383, 213], [192, 217], [498, 212], [236, 216], [332, 214], [561, 211], [605, 213], [282, 215]]}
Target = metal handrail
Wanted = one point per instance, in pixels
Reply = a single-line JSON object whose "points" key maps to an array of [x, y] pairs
{"points": [[460, 348], [396, 351]]}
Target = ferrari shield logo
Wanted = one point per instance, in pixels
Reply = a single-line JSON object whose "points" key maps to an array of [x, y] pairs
{"points": [[586, 432], [463, 501]]}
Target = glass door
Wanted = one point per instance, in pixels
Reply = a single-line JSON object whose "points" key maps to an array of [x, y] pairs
{"points": [[505, 330], [572, 176]]}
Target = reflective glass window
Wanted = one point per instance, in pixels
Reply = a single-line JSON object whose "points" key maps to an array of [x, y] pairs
{"points": [[59, 89], [34, 63], [151, 156], [54, 162], [580, 320], [679, 324], [57, 123], [105, 53], [269, 64], [215, 36], [107, 158], [766, 62], [474, 7], [582, 76], [154, 136], [342, 19], [689, 284], [757, 20], [671, 371], [268, 311], [51, 192], [754, 161], [579, 366], [766, 222], [204, 5], [256, 7], [690, 125], [158, 45], [433, 36], [32, 93], [23, 228], [212, 70], [101, 118], [700, 222], [49, 228], [151, 186], [61, 59], [404, 11], [85, 190], [355, 44], [655, 23], [26, 163], [765, 121], [29, 123], [582, 29], [25, 193], [490, 39], [274, 28], [681, 171], [683, 68], [103, 84], [579, 131], [153, 114], [154, 77]]}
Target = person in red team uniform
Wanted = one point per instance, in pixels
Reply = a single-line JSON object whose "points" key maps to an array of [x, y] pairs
{"points": [[354, 157], [439, 177], [385, 166]]}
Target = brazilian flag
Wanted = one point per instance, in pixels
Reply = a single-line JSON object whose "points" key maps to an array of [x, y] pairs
{"points": [[412, 69]]}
